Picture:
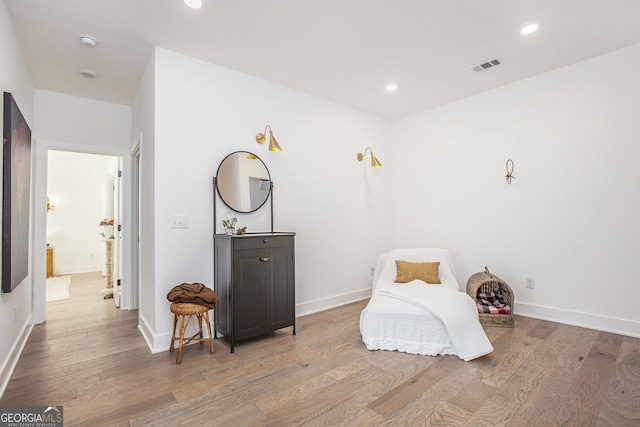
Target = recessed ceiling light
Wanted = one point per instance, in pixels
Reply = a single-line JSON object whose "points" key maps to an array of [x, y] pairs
{"points": [[88, 40], [88, 74], [530, 28], [193, 4], [391, 87]]}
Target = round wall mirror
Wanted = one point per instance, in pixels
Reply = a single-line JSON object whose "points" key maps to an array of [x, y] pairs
{"points": [[243, 181]]}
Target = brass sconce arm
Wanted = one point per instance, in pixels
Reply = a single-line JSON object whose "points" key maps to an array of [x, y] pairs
{"points": [[374, 162], [273, 144]]}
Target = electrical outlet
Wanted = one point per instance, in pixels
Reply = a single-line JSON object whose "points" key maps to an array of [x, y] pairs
{"points": [[371, 271], [530, 283]]}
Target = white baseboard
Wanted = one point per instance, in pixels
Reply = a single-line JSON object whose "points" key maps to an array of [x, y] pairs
{"points": [[323, 304], [9, 364], [77, 270], [575, 318], [161, 342], [145, 330]]}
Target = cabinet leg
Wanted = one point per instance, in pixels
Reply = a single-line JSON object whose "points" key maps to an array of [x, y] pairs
{"points": [[294, 329]]}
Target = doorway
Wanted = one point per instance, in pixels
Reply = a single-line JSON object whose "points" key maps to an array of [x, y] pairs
{"points": [[122, 158], [83, 214]]}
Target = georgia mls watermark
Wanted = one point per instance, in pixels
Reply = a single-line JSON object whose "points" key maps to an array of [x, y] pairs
{"points": [[31, 416]]}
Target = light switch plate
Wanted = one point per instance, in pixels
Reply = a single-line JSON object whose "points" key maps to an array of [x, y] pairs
{"points": [[179, 221]]}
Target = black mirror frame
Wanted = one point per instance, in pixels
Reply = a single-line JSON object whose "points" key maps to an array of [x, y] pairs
{"points": [[218, 187]]}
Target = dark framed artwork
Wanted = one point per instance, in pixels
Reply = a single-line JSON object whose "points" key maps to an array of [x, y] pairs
{"points": [[16, 184]]}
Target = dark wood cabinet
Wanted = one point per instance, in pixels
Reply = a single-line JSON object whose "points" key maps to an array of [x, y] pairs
{"points": [[254, 277]]}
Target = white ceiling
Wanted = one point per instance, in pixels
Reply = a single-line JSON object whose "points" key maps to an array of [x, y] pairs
{"points": [[342, 50]]}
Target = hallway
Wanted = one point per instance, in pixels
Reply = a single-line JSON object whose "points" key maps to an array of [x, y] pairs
{"points": [[65, 357]]}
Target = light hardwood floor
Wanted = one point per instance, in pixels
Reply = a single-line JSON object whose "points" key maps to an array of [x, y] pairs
{"points": [[90, 358]]}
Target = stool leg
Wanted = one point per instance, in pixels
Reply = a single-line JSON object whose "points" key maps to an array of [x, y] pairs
{"points": [[201, 339], [182, 328], [173, 334], [206, 317]]}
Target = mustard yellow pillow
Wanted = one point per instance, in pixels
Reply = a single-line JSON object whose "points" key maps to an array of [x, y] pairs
{"points": [[425, 271]]}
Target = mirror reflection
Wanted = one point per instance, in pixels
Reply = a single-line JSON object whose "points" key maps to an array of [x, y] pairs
{"points": [[243, 181]]}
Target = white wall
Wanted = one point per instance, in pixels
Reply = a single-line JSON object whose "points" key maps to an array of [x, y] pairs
{"points": [[15, 307], [337, 206], [76, 182], [61, 117], [569, 219]]}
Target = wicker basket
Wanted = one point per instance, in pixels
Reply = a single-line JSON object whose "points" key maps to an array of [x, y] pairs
{"points": [[487, 282]]}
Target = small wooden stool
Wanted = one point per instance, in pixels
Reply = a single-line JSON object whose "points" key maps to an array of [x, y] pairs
{"points": [[184, 311]]}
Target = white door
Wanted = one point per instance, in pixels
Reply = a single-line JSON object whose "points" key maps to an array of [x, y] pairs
{"points": [[117, 234]]}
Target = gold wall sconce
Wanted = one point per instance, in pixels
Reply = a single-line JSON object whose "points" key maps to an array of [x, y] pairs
{"points": [[273, 144], [50, 205], [374, 162], [509, 176]]}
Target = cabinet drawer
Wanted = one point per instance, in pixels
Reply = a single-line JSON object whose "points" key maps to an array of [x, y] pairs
{"points": [[262, 242]]}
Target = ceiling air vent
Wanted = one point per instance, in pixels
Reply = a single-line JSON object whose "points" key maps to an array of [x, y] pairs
{"points": [[488, 64]]}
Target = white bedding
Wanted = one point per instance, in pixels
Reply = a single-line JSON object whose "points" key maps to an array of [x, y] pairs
{"points": [[419, 318]]}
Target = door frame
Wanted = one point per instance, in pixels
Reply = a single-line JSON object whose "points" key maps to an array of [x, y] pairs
{"points": [[42, 147], [136, 214]]}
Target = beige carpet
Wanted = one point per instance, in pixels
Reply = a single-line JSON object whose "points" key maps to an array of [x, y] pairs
{"points": [[58, 288]]}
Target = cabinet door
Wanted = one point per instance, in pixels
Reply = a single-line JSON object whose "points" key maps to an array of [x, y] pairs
{"points": [[223, 269], [249, 293], [280, 292]]}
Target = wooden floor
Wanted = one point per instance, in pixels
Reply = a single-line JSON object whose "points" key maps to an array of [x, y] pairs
{"points": [[90, 358]]}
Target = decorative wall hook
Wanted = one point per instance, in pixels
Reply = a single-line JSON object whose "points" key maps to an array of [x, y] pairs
{"points": [[509, 176]]}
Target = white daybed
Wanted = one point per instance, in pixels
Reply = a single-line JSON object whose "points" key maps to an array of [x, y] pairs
{"points": [[421, 318]]}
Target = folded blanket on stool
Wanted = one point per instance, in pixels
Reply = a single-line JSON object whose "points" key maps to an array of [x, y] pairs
{"points": [[194, 293], [492, 302]]}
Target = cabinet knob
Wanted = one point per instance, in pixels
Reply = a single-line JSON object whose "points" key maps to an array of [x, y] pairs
{"points": [[265, 259], [264, 240]]}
